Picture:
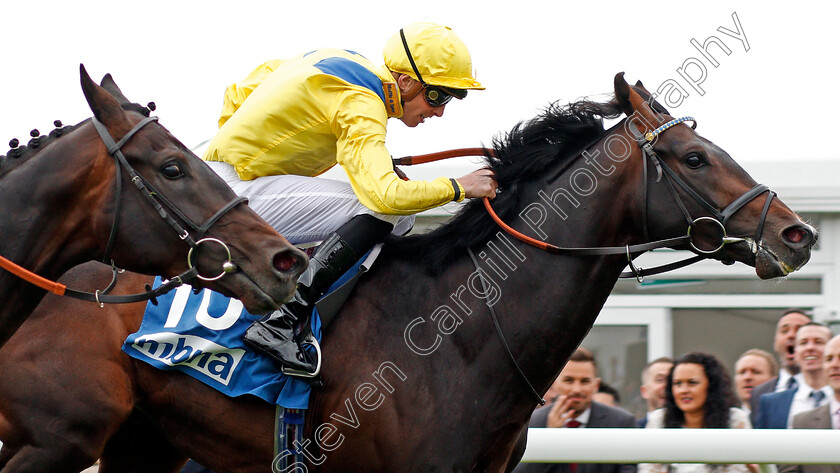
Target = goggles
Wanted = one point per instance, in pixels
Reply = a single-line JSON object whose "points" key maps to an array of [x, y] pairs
{"points": [[435, 95]]}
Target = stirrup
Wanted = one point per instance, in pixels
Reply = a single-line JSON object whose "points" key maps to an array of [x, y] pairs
{"points": [[311, 340]]}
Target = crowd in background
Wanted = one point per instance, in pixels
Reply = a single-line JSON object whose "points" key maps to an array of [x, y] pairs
{"points": [[798, 387]]}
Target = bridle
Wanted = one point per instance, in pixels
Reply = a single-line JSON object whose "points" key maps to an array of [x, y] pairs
{"points": [[164, 207], [161, 204], [718, 219]]}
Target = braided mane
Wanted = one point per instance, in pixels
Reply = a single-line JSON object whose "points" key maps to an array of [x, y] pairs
{"points": [[17, 155]]}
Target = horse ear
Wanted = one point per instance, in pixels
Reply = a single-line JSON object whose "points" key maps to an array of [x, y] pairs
{"points": [[631, 102], [646, 96], [622, 94], [105, 108], [642, 86], [111, 86]]}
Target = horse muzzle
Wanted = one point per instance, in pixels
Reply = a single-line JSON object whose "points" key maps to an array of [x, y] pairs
{"points": [[793, 252]]}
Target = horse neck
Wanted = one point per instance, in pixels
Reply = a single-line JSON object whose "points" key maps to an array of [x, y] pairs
{"points": [[545, 303], [52, 197], [551, 301]]}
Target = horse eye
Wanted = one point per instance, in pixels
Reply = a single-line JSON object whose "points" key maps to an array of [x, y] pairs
{"points": [[694, 161], [172, 171]]}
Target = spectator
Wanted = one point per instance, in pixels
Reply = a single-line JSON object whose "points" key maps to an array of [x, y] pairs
{"points": [[607, 395], [824, 417], [573, 408], [654, 378], [776, 410], [698, 394], [786, 328], [754, 367]]}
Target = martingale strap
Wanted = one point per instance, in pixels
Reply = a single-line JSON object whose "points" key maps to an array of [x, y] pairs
{"points": [[485, 288]]}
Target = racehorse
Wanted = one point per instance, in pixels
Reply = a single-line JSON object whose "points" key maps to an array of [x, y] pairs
{"points": [[417, 372], [63, 204]]}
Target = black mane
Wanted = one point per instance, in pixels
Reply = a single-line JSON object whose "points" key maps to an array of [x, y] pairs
{"points": [[25, 151], [524, 154]]}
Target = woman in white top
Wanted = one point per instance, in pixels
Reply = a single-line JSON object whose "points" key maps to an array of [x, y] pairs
{"points": [[698, 395]]}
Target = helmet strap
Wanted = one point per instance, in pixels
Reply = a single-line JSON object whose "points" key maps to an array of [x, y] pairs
{"points": [[411, 58]]}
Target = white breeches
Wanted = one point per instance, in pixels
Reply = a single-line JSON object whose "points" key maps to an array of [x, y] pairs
{"points": [[304, 209]]}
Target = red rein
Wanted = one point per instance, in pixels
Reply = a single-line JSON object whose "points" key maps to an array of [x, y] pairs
{"points": [[455, 153]]}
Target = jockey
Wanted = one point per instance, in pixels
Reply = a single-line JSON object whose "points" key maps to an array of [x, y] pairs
{"points": [[291, 120]]}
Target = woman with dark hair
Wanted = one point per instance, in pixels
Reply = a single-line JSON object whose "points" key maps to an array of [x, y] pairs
{"points": [[698, 395]]}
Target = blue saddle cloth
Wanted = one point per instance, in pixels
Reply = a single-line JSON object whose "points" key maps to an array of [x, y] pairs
{"points": [[201, 335]]}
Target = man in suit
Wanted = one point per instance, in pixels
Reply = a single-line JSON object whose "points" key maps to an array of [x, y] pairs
{"points": [[776, 410], [654, 379], [824, 417], [574, 408], [789, 322]]}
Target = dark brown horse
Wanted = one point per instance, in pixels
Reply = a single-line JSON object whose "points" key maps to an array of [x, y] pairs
{"points": [[417, 378], [66, 199]]}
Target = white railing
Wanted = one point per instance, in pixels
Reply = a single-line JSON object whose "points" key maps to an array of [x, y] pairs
{"points": [[765, 447]]}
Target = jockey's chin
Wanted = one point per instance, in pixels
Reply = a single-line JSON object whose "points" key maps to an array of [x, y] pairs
{"points": [[416, 111]]}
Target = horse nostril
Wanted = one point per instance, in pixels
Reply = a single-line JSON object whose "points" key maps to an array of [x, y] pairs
{"points": [[799, 236], [285, 261]]}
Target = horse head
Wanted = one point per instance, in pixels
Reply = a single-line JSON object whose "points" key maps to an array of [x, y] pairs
{"points": [[692, 183], [184, 215]]}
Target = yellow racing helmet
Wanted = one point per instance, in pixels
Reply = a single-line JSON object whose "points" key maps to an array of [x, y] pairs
{"points": [[432, 54]]}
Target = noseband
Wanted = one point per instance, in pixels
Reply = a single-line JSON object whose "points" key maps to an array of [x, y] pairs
{"points": [[161, 204], [718, 218]]}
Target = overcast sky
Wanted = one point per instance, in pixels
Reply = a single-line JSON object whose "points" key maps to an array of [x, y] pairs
{"points": [[771, 98]]}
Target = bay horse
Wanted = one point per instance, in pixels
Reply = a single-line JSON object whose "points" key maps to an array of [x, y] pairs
{"points": [[417, 377], [63, 203]]}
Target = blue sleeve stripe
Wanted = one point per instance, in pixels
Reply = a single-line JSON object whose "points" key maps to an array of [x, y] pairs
{"points": [[353, 73]]}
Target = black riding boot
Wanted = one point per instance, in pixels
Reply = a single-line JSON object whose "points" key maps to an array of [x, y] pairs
{"points": [[275, 334]]}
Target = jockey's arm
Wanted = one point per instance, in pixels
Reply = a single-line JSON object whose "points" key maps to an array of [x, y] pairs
{"points": [[359, 124]]}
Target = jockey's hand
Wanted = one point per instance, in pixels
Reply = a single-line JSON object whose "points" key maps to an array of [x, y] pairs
{"points": [[400, 174], [479, 183]]}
